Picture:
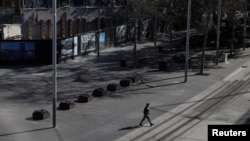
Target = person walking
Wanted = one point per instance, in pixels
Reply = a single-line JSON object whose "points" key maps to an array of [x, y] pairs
{"points": [[146, 115]]}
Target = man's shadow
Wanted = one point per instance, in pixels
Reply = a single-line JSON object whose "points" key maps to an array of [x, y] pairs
{"points": [[129, 127]]}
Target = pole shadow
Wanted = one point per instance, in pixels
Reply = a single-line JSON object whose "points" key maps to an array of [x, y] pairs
{"points": [[27, 131]]}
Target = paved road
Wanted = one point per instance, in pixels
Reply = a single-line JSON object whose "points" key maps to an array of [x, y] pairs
{"points": [[225, 102], [117, 115]]}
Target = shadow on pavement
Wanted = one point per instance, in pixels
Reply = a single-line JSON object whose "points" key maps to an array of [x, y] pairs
{"points": [[27, 131], [129, 128], [167, 79], [245, 119], [29, 118], [157, 86], [33, 83], [209, 99]]}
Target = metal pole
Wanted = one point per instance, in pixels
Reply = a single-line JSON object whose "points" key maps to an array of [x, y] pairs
{"points": [[155, 33], [187, 39], [135, 40], [98, 31], [54, 40], [218, 32], [245, 23]]}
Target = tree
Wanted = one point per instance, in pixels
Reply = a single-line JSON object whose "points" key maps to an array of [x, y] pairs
{"points": [[135, 6], [208, 18], [145, 9], [231, 8]]}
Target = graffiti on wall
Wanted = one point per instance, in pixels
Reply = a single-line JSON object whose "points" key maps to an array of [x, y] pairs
{"points": [[88, 42], [145, 29], [121, 35], [67, 48]]}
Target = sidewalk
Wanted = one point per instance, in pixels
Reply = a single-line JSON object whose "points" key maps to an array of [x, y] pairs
{"points": [[116, 116], [225, 102]]}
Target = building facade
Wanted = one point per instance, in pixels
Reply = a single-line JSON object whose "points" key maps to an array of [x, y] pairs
{"points": [[26, 28]]}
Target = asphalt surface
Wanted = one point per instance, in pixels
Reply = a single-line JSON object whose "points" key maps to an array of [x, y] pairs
{"points": [[219, 97]]}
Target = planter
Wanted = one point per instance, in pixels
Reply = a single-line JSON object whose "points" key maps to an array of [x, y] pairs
{"points": [[160, 49], [84, 98], [181, 58], [66, 105], [112, 87], [40, 114], [122, 63], [99, 92], [133, 79], [142, 61], [162, 65], [125, 82]]}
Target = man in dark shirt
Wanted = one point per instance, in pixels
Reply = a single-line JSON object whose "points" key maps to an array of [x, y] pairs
{"points": [[145, 115]]}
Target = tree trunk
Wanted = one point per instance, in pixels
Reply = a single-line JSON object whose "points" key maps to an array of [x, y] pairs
{"points": [[135, 41], [204, 45], [171, 36], [155, 34], [232, 38], [139, 29]]}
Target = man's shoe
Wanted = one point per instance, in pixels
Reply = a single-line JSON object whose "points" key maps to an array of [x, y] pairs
{"points": [[151, 124], [140, 124]]}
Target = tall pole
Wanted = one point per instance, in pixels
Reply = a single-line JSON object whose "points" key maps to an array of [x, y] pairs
{"points": [[98, 31], [171, 25], [155, 28], [135, 40], [218, 32], [245, 24], [54, 40], [155, 34], [187, 39]]}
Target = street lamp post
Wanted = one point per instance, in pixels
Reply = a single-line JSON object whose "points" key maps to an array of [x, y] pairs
{"points": [[98, 30], [187, 39], [155, 35], [54, 40], [245, 23], [218, 32]]}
